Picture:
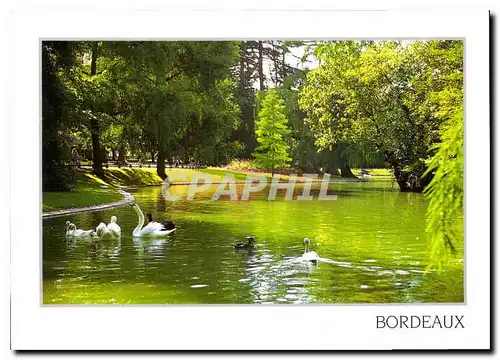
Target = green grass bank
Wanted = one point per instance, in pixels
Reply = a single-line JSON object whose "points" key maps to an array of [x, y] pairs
{"points": [[91, 190]]}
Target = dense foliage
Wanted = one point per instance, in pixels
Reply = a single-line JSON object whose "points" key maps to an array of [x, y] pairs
{"points": [[272, 127], [379, 95], [445, 190]]}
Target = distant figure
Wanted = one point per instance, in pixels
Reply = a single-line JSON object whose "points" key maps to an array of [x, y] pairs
{"points": [[75, 157]]}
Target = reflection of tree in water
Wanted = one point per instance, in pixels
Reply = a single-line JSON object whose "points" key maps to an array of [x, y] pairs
{"points": [[278, 280], [161, 205]]}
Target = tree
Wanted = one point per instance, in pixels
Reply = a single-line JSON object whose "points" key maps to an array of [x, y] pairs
{"points": [[94, 124], [272, 127], [167, 85], [250, 74], [444, 99], [246, 73], [372, 93], [57, 59], [445, 191]]}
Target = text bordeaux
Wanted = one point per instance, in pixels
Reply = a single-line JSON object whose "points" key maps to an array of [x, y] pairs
{"points": [[420, 321]]}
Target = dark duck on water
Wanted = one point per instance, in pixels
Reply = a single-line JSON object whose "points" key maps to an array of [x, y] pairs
{"points": [[248, 244], [167, 225]]}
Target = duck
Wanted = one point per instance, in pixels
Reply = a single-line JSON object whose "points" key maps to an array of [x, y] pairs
{"points": [[114, 228], [73, 231], [309, 255], [152, 229], [250, 243]]}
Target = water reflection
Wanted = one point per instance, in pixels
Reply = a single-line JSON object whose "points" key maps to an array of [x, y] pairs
{"points": [[372, 245]]}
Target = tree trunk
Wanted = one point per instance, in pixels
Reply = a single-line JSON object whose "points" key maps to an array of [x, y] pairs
{"points": [[411, 181], [260, 66], [113, 154], [283, 64], [345, 170], [160, 164], [401, 178], [152, 156], [94, 125], [121, 155], [96, 149]]}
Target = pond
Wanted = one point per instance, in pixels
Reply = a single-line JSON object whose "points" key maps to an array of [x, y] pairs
{"points": [[372, 242]]}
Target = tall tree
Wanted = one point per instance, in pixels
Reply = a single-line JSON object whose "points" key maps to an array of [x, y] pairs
{"points": [[272, 127], [57, 58], [262, 78], [94, 124], [245, 74]]}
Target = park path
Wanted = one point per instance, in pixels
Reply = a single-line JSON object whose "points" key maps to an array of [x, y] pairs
{"points": [[127, 199]]}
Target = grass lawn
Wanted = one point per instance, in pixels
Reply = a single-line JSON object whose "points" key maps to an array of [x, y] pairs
{"points": [[132, 177], [88, 192]]}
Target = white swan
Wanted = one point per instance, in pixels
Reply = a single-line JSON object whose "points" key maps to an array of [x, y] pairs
{"points": [[69, 232], [309, 255], [114, 227], [153, 229], [103, 232], [73, 231]]}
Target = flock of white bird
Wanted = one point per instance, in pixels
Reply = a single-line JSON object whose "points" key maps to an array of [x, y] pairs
{"points": [[157, 230], [113, 231]]}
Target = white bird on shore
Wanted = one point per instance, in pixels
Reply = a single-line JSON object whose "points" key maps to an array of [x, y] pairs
{"points": [[153, 229], [309, 255]]}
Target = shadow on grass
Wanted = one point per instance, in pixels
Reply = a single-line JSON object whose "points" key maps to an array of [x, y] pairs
{"points": [[129, 177]]}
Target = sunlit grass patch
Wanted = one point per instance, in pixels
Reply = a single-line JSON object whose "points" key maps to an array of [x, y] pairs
{"points": [[132, 177], [89, 190], [374, 172]]}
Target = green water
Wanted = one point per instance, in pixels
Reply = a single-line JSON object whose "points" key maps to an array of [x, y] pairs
{"points": [[372, 241]]}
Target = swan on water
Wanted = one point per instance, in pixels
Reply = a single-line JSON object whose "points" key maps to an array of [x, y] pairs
{"points": [[69, 232], [110, 231], [308, 254], [103, 232], [168, 225], [114, 227], [153, 229], [73, 231]]}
